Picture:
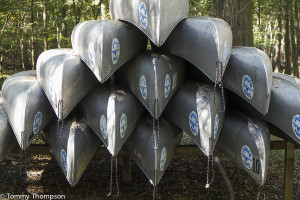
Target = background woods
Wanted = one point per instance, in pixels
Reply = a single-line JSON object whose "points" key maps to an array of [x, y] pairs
{"points": [[29, 27]]}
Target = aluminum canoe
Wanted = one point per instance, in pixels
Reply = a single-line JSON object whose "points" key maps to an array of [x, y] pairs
{"points": [[284, 110], [8, 141], [113, 113], [153, 79], [203, 41], [74, 149], [26, 106], [249, 75], [156, 18], [140, 146], [246, 141], [197, 110], [106, 45], [65, 79]]}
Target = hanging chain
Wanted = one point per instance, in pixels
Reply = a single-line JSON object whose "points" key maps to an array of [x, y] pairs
{"points": [[23, 148], [220, 85], [111, 177], [60, 123], [210, 159], [259, 191], [155, 147]]}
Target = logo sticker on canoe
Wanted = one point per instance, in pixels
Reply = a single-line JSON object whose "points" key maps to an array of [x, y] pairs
{"points": [[247, 156], [123, 125], [163, 158], [216, 126], [143, 15], [91, 54], [115, 50], [296, 125], [63, 158], [247, 86], [167, 85], [37, 122], [51, 89], [193, 122], [103, 126], [143, 87], [174, 81]]}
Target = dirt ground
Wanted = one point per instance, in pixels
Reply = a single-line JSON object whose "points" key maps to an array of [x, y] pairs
{"points": [[185, 178]]}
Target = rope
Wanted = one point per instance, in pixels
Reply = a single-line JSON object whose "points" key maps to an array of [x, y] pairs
{"points": [[155, 147]]}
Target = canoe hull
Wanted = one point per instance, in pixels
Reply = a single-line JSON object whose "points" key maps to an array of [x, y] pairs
{"points": [[251, 146], [65, 79], [26, 106], [112, 112], [156, 18], [8, 140], [249, 75], [106, 45], [204, 42], [194, 109], [75, 148], [153, 79], [140, 146]]}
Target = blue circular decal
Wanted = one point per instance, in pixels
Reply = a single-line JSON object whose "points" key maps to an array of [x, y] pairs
{"points": [[193, 122], [143, 86], [247, 156], [163, 159], [37, 122], [167, 85], [143, 15], [247, 86], [296, 125], [115, 50], [63, 157], [91, 54], [103, 126], [216, 125], [123, 125]]}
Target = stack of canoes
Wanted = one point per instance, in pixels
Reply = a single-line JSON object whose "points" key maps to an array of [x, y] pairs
{"points": [[109, 87]]}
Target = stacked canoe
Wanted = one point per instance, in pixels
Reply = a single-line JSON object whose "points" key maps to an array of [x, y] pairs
{"points": [[111, 89]]}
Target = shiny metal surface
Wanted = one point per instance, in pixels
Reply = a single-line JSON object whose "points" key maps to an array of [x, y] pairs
{"points": [[8, 141], [140, 146], [156, 18], [204, 42], [194, 109], [106, 45], [74, 149], [153, 79], [249, 75], [113, 113], [284, 110], [26, 106], [65, 79], [246, 141]]}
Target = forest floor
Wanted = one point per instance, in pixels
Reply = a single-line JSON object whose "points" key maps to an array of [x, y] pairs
{"points": [[184, 179]]}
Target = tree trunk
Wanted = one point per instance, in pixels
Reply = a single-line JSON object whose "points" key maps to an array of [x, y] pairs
{"points": [[242, 22], [293, 43], [32, 36], [219, 8], [45, 26], [297, 30], [278, 46], [287, 38], [64, 32]]}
